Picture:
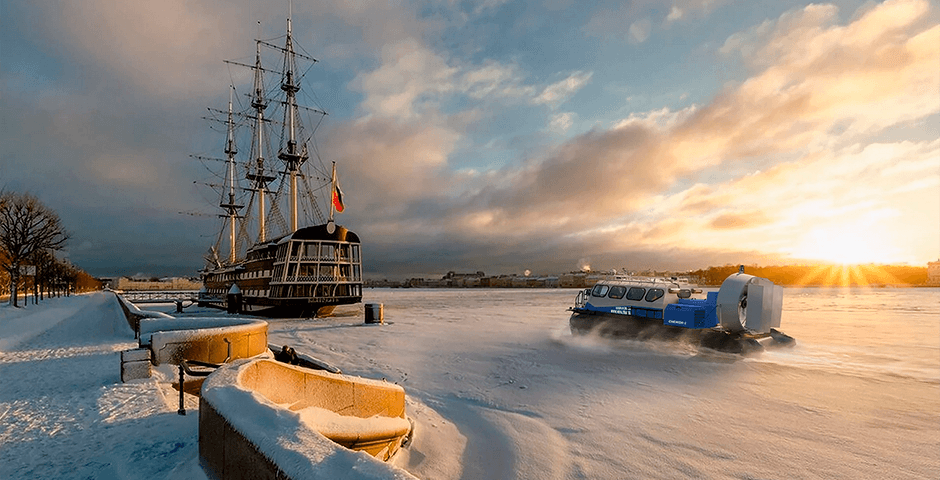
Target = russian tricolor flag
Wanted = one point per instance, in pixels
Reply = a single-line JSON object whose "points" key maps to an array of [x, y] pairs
{"points": [[337, 193]]}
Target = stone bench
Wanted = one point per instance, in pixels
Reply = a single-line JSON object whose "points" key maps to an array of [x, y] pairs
{"points": [[212, 340], [264, 419]]}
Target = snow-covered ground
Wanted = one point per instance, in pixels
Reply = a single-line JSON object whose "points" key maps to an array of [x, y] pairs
{"points": [[64, 412], [500, 389]]}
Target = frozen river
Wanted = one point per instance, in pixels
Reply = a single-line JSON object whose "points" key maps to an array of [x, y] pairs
{"points": [[500, 389], [859, 397]]}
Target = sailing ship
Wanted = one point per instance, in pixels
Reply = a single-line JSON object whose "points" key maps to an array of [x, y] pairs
{"points": [[301, 266]]}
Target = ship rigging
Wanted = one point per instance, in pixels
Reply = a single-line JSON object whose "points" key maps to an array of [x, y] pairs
{"points": [[305, 264]]}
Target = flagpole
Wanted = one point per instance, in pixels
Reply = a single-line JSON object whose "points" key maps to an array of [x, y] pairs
{"points": [[332, 191]]}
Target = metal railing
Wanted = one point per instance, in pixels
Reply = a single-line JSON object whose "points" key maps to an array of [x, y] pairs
{"points": [[160, 296], [581, 300]]}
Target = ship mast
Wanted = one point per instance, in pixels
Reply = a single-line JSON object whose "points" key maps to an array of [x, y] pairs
{"points": [[256, 175], [291, 155], [230, 207]]}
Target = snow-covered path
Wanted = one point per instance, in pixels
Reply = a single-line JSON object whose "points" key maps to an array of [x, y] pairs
{"points": [[64, 412]]}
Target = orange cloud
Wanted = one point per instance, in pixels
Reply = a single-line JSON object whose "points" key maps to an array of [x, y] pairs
{"points": [[739, 220], [818, 89], [878, 71]]}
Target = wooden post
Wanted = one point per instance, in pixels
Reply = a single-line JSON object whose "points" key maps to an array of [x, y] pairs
{"points": [[182, 410]]}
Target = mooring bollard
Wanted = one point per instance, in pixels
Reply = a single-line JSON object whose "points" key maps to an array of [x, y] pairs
{"points": [[375, 313], [182, 410]]}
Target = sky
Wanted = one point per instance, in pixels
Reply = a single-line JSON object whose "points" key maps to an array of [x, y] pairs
{"points": [[499, 136]]}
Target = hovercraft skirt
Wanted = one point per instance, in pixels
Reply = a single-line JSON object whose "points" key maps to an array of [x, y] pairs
{"points": [[587, 322]]}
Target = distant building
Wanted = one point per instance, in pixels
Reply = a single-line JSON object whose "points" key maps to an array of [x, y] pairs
{"points": [[580, 279], [933, 273], [572, 280], [416, 282], [384, 283], [454, 279], [174, 283]]}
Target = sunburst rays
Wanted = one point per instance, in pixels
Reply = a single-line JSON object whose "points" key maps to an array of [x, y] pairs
{"points": [[843, 275]]}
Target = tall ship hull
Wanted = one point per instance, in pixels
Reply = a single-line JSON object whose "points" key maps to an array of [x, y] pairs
{"points": [[304, 274], [283, 255]]}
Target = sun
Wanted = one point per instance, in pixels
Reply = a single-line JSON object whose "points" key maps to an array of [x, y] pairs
{"points": [[846, 245], [844, 249], [849, 254]]}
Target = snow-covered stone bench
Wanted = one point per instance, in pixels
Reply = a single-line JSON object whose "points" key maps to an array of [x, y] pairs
{"points": [[264, 419], [213, 340]]}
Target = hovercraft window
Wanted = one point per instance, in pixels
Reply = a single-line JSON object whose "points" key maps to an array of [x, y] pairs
{"points": [[654, 294], [599, 290], [636, 293], [617, 291]]}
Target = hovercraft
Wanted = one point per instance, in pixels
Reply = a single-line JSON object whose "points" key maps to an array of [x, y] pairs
{"points": [[741, 317]]}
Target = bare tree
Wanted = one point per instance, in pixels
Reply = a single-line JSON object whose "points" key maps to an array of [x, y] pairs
{"points": [[27, 227], [4, 276]]}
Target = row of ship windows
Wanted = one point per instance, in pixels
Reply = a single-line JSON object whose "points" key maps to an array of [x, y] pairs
{"points": [[633, 293], [320, 250], [316, 291], [225, 277], [323, 272], [224, 291]]}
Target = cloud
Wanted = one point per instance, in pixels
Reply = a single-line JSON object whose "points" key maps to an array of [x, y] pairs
{"points": [[558, 92], [640, 30], [612, 182], [561, 122], [857, 186], [413, 81], [873, 73], [634, 20], [142, 42], [386, 165], [493, 79], [738, 220], [410, 73], [484, 5], [608, 190], [674, 14], [90, 151], [789, 147]]}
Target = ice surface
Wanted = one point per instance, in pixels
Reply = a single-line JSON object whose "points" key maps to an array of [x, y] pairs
{"points": [[499, 389]]}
